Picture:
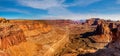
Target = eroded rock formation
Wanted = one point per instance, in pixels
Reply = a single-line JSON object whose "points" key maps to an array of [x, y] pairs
{"points": [[93, 21], [95, 37], [102, 33], [3, 54], [91, 40], [3, 20], [10, 35], [31, 38], [112, 26], [113, 48], [35, 29]]}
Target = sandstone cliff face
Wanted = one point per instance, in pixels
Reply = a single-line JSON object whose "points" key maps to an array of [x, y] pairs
{"points": [[112, 26], [91, 39], [15, 32], [113, 46], [45, 44], [3, 54], [33, 38], [116, 36], [93, 21], [10, 35], [97, 22], [118, 33], [89, 22], [35, 29], [103, 33]]}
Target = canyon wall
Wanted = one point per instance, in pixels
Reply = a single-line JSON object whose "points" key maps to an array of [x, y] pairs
{"points": [[31, 38], [59, 37]]}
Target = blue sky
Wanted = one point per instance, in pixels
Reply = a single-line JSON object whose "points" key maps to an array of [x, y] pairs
{"points": [[60, 9]]}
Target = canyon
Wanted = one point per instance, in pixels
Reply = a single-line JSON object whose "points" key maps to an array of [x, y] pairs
{"points": [[94, 37]]}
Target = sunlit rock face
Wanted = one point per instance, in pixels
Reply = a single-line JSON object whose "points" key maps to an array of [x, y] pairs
{"points": [[102, 41], [90, 39], [10, 35], [103, 33], [3, 20], [3, 54], [112, 48], [96, 37], [93, 21], [35, 29], [102, 29], [31, 38]]}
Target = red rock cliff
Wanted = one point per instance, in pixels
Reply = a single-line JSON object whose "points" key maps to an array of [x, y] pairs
{"points": [[10, 35]]}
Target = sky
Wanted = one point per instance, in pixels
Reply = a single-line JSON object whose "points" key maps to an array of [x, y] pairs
{"points": [[60, 9]]}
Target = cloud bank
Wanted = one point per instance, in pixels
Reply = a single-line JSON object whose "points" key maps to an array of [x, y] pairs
{"points": [[59, 9], [55, 7]]}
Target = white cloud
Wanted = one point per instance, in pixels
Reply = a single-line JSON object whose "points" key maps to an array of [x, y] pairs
{"points": [[86, 2], [13, 10], [118, 1], [54, 7], [84, 16], [41, 4], [45, 4], [57, 9], [82, 2]]}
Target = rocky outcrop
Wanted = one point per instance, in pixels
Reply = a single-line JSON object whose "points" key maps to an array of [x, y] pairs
{"points": [[3, 20], [97, 22], [34, 29], [112, 26], [2, 53], [115, 34], [89, 21], [113, 48], [62, 22], [93, 21], [90, 41], [59, 37], [102, 29], [102, 33], [10, 35]]}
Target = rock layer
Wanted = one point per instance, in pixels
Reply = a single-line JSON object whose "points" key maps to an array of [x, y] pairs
{"points": [[10, 35]]}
